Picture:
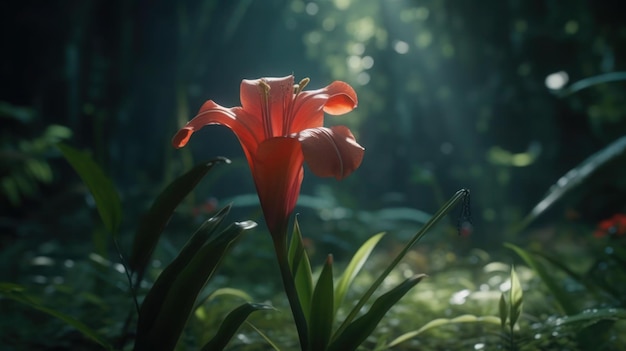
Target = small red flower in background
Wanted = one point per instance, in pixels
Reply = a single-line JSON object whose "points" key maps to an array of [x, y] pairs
{"points": [[280, 126], [614, 226]]}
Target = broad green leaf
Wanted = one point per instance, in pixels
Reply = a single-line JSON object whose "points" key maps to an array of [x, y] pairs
{"points": [[439, 322], [15, 293], [153, 222], [504, 311], [515, 298], [577, 176], [153, 302], [231, 323], [563, 299], [164, 331], [363, 326], [101, 187], [301, 268], [322, 311], [354, 267]]}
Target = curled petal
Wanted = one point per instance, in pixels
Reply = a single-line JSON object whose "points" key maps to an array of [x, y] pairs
{"points": [[278, 176], [336, 99], [341, 98], [331, 152], [182, 137], [245, 126]]}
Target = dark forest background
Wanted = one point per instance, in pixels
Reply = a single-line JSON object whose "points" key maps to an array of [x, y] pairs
{"points": [[452, 95]]}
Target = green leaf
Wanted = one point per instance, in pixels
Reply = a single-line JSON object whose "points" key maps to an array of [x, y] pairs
{"points": [[16, 293], [459, 196], [153, 302], [577, 176], [301, 268], [265, 337], [354, 267], [322, 313], [591, 81], [435, 323], [592, 286], [363, 326], [564, 302], [592, 316], [204, 297], [101, 187], [231, 324], [515, 298], [153, 222], [504, 311], [164, 331]]}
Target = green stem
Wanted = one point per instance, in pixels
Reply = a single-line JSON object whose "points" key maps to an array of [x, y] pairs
{"points": [[280, 245], [454, 200]]}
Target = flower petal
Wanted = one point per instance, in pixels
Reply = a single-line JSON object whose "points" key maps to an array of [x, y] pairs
{"points": [[336, 99], [278, 176], [245, 126], [331, 152], [341, 98], [279, 98]]}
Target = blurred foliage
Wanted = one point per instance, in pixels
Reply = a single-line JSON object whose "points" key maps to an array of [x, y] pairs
{"points": [[23, 159]]}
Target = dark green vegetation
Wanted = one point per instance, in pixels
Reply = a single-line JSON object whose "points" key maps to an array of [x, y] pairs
{"points": [[452, 94]]}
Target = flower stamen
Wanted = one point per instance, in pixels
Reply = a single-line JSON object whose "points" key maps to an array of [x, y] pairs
{"points": [[267, 116]]}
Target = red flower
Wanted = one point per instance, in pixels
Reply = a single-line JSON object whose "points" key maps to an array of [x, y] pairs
{"points": [[279, 127], [614, 226]]}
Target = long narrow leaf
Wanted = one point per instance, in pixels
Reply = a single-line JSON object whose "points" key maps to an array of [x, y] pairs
{"points": [[562, 298], [322, 315], [591, 81], [231, 324], [15, 292], [459, 196], [363, 326], [575, 177], [178, 304], [439, 322], [504, 310], [153, 222], [515, 298], [592, 316], [101, 187], [354, 267], [301, 268], [154, 300]]}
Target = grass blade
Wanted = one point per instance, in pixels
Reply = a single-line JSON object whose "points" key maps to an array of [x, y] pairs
{"points": [[104, 193], [363, 326], [153, 222], [231, 324], [322, 315], [353, 268], [301, 268]]}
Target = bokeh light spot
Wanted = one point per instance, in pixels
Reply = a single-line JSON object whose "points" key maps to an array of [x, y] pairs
{"points": [[401, 47], [328, 24], [423, 39], [312, 9], [556, 81], [571, 27], [342, 4], [367, 62], [363, 78]]}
